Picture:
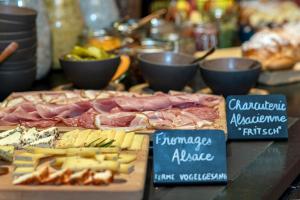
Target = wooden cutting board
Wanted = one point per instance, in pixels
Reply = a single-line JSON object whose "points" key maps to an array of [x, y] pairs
{"points": [[124, 187]]}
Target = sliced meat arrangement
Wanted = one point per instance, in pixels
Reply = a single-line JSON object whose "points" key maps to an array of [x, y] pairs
{"points": [[122, 109]]}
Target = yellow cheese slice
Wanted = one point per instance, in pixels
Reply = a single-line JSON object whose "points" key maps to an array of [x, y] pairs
{"points": [[93, 136], [119, 137], [127, 140], [137, 142], [81, 138]]}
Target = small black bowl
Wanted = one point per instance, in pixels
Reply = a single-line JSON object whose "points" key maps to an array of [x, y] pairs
{"points": [[22, 55], [167, 70], [19, 65], [23, 43], [17, 14], [12, 26], [17, 35], [16, 81], [90, 74], [230, 76]]}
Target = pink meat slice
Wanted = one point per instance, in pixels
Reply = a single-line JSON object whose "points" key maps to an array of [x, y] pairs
{"points": [[49, 111], [143, 103], [41, 123], [117, 119]]}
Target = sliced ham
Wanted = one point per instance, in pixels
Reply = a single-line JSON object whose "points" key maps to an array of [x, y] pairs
{"points": [[117, 109]]}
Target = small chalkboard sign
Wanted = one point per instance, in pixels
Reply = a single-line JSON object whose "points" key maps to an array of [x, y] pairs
{"points": [[189, 157], [256, 117]]}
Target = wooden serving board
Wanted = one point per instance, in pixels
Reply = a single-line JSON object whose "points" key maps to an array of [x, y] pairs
{"points": [[124, 187]]}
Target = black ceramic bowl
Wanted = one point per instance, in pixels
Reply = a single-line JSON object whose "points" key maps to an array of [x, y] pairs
{"points": [[15, 81], [22, 55], [23, 43], [17, 14], [12, 26], [17, 35], [167, 70], [90, 74], [19, 65], [230, 76]]}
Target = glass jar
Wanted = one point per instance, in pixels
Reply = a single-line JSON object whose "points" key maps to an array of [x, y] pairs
{"points": [[206, 36], [99, 14], [66, 24]]}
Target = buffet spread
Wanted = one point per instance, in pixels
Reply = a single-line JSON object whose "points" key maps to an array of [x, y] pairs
{"points": [[92, 138]]}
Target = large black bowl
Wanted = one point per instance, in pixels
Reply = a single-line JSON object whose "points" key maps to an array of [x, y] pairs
{"points": [[167, 71], [19, 65], [17, 14], [15, 81], [23, 43], [230, 76], [90, 74], [22, 55], [11, 26], [17, 35]]}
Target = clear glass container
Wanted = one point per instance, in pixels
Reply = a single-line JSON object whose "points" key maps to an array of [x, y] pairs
{"points": [[66, 24], [99, 14]]}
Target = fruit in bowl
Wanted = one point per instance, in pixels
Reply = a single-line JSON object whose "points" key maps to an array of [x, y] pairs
{"points": [[89, 67]]}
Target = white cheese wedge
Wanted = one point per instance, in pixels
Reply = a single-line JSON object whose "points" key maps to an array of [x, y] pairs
{"points": [[9, 132], [6, 153], [13, 139], [29, 136], [44, 142], [53, 131]]}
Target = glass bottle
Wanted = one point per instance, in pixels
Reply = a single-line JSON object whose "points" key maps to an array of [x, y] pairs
{"points": [[66, 24]]}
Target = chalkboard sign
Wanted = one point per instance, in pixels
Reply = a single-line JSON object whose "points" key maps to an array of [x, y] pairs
{"points": [[189, 157], [255, 117]]}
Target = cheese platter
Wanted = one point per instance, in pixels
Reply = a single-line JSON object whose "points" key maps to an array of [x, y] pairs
{"points": [[76, 164]]}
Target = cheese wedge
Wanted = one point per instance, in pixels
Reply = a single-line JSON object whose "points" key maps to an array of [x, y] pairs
{"points": [[100, 157], [110, 134], [137, 142], [119, 137], [6, 153], [93, 136], [67, 139], [81, 138], [126, 168], [23, 170], [53, 131], [13, 139], [127, 140], [44, 142], [28, 156], [126, 158], [25, 163], [78, 164], [10, 132], [46, 151], [29, 136]]}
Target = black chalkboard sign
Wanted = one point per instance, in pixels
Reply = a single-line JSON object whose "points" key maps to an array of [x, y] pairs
{"points": [[189, 157], [255, 117]]}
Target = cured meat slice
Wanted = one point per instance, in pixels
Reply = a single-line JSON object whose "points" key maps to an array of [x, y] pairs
{"points": [[115, 120], [115, 109], [143, 103]]}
